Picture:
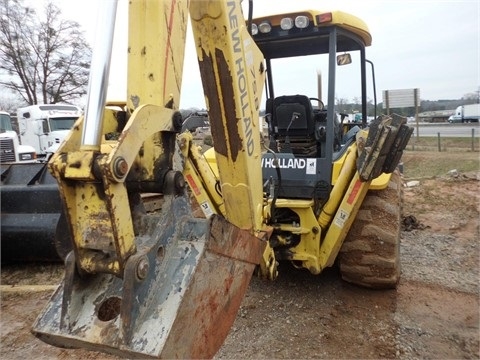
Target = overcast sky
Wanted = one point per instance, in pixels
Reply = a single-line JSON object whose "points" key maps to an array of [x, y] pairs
{"points": [[430, 45]]}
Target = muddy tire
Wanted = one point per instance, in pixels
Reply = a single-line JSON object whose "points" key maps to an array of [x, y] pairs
{"points": [[370, 254]]}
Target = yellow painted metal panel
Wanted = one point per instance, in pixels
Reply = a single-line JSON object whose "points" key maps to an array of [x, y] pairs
{"points": [[156, 46], [232, 72]]}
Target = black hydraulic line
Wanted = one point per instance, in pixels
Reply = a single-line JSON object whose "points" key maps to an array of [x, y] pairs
{"points": [[250, 15], [374, 88]]}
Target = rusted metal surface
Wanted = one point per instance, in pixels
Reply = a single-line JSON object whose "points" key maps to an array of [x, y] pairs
{"points": [[387, 138], [96, 187], [195, 273], [225, 134], [231, 67], [214, 107]]}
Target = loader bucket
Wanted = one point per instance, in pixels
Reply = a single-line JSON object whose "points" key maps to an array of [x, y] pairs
{"points": [[31, 211], [178, 298]]}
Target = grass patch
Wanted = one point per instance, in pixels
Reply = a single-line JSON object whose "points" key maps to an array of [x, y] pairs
{"points": [[444, 144], [427, 164], [421, 158]]}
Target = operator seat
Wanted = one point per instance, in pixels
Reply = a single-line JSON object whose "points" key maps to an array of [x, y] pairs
{"points": [[293, 118]]}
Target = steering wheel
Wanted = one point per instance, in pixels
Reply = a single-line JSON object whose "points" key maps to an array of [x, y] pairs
{"points": [[321, 106]]}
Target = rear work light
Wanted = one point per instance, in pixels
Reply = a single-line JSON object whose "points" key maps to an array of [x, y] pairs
{"points": [[301, 21], [254, 29], [264, 27], [286, 23]]}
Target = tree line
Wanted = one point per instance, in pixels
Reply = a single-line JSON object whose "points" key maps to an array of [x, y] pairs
{"points": [[44, 59], [351, 107]]}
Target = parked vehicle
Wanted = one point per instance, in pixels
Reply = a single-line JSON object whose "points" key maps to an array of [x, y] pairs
{"points": [[45, 126], [10, 149], [198, 119], [466, 114]]}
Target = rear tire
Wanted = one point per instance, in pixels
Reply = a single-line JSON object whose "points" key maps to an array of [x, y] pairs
{"points": [[370, 254]]}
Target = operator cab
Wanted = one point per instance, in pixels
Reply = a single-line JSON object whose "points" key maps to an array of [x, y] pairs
{"points": [[305, 136], [298, 140], [298, 126]]}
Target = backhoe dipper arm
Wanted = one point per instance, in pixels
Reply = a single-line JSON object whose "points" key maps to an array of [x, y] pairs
{"points": [[162, 285], [233, 76], [232, 70]]}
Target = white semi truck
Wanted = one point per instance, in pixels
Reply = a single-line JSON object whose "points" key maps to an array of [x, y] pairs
{"points": [[466, 114], [11, 151], [45, 126]]}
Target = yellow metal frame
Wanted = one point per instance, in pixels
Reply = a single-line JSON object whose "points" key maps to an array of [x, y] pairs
{"points": [[92, 183], [96, 196], [233, 75], [320, 239], [156, 48]]}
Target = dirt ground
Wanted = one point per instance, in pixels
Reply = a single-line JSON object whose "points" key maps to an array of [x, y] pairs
{"points": [[433, 314]]}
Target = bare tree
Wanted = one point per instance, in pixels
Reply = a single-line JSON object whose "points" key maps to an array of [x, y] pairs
{"points": [[10, 103], [44, 61], [473, 97]]}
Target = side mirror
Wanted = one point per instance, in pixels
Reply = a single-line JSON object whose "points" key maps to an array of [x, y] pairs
{"points": [[45, 126], [40, 127], [344, 59]]}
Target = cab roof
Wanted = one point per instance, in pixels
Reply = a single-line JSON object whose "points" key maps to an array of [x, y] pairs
{"points": [[352, 34]]}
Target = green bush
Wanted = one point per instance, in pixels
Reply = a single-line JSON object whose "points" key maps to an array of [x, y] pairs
{"points": [[208, 140]]}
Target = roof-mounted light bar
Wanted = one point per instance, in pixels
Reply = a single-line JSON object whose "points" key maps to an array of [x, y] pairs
{"points": [[305, 21], [286, 23]]}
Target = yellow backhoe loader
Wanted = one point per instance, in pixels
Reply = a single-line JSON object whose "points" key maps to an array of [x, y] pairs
{"points": [[316, 189]]}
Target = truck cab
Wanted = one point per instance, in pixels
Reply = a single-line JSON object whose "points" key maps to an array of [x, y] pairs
{"points": [[10, 149], [465, 114], [45, 126]]}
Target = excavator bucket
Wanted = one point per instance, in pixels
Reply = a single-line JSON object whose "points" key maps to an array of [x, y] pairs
{"points": [[178, 298]]}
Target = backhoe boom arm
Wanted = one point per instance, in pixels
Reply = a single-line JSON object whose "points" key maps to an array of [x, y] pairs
{"points": [[162, 285]]}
